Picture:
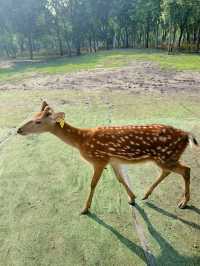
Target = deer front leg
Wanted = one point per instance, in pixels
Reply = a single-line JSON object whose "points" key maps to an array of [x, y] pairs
{"points": [[98, 169], [120, 176], [164, 174]]}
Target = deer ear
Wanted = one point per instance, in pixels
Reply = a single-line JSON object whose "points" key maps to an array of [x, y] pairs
{"points": [[59, 118], [47, 111], [44, 104]]}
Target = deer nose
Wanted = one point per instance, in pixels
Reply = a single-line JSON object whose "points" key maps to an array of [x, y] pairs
{"points": [[19, 131]]}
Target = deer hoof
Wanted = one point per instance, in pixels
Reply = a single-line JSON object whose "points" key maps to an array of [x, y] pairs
{"points": [[131, 202], [182, 203], [84, 211], [145, 197]]}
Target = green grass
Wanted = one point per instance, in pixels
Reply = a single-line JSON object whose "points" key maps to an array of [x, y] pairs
{"points": [[103, 59], [43, 186]]}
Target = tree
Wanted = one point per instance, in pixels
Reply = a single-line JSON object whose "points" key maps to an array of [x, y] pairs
{"points": [[68, 26]]}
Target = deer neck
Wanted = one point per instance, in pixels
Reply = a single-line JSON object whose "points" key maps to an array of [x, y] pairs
{"points": [[70, 135]]}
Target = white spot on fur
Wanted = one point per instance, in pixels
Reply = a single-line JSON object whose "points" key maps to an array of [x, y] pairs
{"points": [[111, 149], [161, 138]]}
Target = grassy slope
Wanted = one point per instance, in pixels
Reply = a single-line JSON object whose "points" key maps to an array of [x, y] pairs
{"points": [[104, 59], [42, 191]]}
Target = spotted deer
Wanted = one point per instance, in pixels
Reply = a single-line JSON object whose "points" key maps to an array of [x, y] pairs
{"points": [[118, 145]]}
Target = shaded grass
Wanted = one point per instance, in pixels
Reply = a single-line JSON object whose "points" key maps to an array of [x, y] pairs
{"points": [[102, 59]]}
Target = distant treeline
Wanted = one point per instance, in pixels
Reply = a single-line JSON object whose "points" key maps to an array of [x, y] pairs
{"points": [[65, 27]]}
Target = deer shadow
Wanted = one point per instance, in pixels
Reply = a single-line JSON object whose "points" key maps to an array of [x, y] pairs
{"points": [[168, 254], [174, 216], [136, 249], [194, 209]]}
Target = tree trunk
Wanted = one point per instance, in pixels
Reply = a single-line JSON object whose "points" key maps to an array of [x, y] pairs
{"points": [[174, 38], [147, 34], [126, 38], [94, 45], [90, 44], [188, 39], [7, 51], [60, 42], [69, 48], [30, 44], [118, 40], [147, 39], [194, 35], [59, 37], [60, 47], [157, 34], [180, 38], [198, 41], [78, 48], [21, 46], [140, 39], [107, 43], [170, 41]]}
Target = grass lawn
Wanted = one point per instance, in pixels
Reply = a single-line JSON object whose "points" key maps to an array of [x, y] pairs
{"points": [[104, 59], [43, 184]]}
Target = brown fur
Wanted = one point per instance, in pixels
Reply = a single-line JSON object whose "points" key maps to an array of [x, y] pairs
{"points": [[118, 145]]}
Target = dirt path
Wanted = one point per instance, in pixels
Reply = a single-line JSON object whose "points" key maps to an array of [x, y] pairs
{"points": [[138, 77]]}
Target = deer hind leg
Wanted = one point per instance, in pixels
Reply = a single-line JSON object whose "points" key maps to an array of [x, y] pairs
{"points": [[185, 172], [98, 169], [164, 174], [118, 170]]}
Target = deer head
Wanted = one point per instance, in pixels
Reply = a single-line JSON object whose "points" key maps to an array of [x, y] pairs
{"points": [[44, 121]]}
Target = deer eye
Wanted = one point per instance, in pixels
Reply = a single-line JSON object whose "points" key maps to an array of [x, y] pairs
{"points": [[38, 122]]}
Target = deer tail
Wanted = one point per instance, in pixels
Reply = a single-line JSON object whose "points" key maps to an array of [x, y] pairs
{"points": [[192, 140]]}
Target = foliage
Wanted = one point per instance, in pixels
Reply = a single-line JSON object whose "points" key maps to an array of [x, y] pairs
{"points": [[71, 26]]}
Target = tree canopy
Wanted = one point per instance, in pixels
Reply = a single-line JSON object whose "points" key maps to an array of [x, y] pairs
{"points": [[64, 27]]}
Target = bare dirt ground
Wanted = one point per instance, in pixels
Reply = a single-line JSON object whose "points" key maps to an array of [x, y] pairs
{"points": [[139, 77], [4, 64]]}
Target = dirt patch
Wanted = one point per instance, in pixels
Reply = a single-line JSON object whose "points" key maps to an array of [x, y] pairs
{"points": [[6, 64], [137, 78]]}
